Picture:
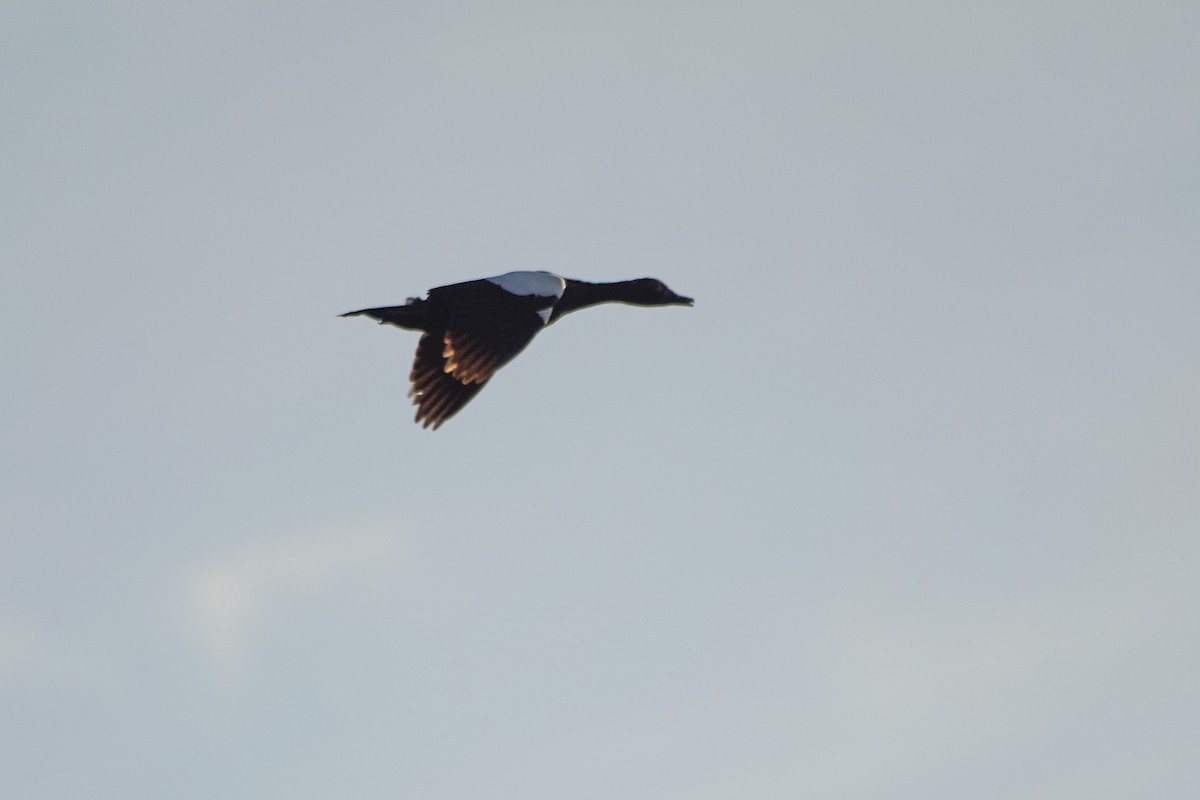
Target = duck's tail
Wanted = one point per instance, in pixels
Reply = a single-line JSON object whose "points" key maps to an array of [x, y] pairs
{"points": [[411, 316]]}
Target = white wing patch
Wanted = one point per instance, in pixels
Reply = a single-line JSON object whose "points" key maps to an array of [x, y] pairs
{"points": [[542, 284]]}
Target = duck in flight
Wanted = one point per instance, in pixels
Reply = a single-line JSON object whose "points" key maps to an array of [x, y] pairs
{"points": [[470, 330]]}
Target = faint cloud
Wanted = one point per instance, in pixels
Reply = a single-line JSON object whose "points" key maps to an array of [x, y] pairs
{"points": [[230, 599]]}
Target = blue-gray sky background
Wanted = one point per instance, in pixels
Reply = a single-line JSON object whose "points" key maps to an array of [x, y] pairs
{"points": [[905, 507]]}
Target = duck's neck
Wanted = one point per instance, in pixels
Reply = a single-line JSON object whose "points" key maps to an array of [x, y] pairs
{"points": [[581, 294]]}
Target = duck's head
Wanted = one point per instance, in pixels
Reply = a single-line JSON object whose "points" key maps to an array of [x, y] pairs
{"points": [[653, 292]]}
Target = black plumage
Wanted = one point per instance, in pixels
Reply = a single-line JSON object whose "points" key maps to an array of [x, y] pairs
{"points": [[471, 329]]}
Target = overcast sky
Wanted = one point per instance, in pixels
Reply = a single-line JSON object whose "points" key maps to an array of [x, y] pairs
{"points": [[906, 507]]}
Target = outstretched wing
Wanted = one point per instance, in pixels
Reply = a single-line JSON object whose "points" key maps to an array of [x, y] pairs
{"points": [[437, 394], [486, 328]]}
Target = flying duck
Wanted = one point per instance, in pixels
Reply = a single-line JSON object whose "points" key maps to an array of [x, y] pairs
{"points": [[472, 329]]}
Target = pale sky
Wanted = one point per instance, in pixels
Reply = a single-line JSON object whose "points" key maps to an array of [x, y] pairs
{"points": [[906, 507]]}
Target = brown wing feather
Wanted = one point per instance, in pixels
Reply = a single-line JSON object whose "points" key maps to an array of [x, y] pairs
{"points": [[479, 337], [436, 394]]}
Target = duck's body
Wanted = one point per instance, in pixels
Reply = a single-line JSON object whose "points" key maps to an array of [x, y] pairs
{"points": [[472, 329]]}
